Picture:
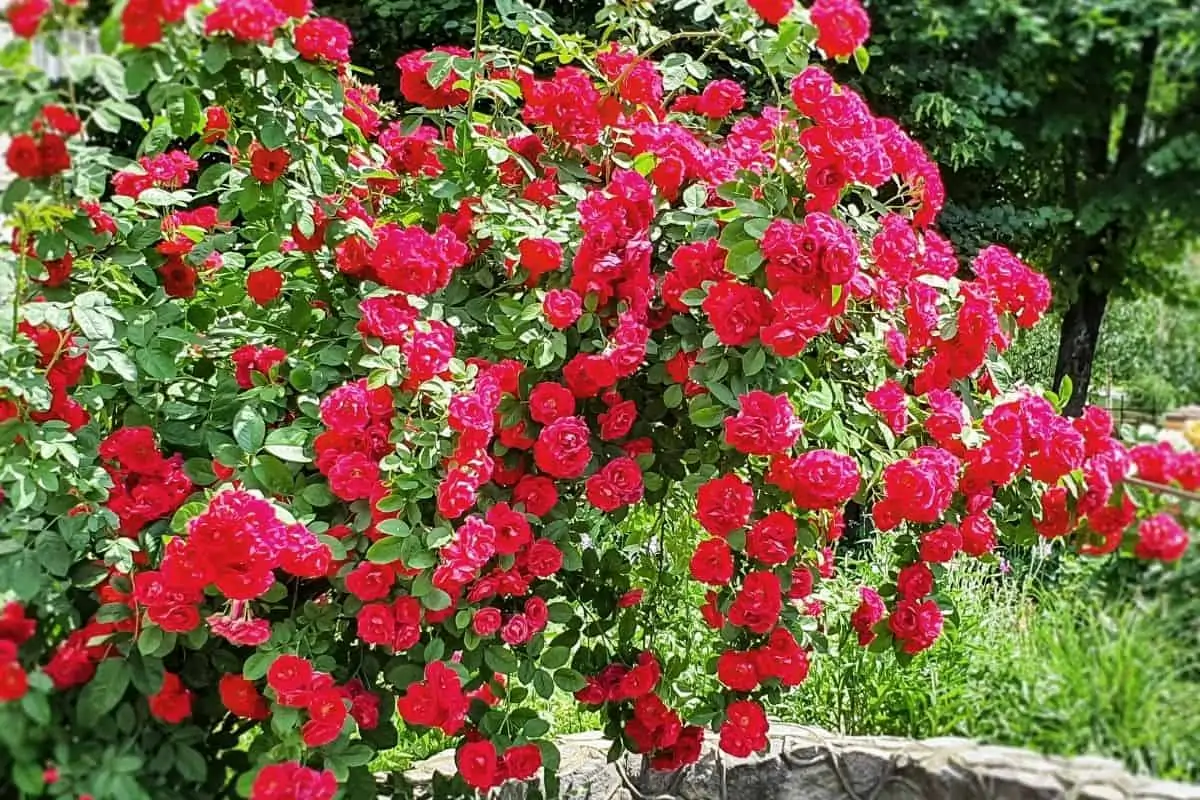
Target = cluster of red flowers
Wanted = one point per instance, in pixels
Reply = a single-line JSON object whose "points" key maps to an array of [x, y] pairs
{"points": [[293, 781], [358, 422], [15, 630], [295, 684], [650, 726], [43, 153], [236, 545], [170, 170], [63, 369], [146, 485], [249, 359]]}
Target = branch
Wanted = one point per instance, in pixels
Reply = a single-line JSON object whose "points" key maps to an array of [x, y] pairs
{"points": [[1162, 488]]}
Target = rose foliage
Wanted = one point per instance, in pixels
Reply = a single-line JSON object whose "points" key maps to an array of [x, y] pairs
{"points": [[322, 417]]}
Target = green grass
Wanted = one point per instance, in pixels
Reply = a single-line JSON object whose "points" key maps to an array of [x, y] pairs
{"points": [[1058, 668]]}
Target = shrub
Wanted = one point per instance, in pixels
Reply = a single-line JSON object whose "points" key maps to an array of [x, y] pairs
{"points": [[310, 413]]}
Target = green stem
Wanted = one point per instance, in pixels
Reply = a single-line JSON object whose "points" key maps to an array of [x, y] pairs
{"points": [[474, 85]]}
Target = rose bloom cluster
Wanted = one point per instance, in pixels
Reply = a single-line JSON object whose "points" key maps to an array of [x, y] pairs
{"points": [[481, 466]]}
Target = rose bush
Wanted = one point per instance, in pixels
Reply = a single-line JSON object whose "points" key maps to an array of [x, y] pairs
{"points": [[322, 417]]}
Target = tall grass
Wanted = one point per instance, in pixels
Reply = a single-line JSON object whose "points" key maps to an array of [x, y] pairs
{"points": [[1055, 666]]}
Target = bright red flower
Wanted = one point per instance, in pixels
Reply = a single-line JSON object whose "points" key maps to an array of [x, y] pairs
{"points": [[267, 165], [712, 563], [477, 764], [723, 504], [264, 285], [842, 26], [242, 698], [744, 731], [562, 449], [758, 604]]}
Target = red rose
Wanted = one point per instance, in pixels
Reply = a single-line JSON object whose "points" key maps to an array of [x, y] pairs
{"points": [[758, 604], [939, 546], [522, 762], [869, 612], [173, 702], [738, 671], [517, 631], [842, 26], [978, 535], [512, 529], [486, 621], [550, 401], [562, 449], [772, 540], [618, 420], [1161, 538], [711, 612], [737, 312], [536, 493], [914, 581], [14, 683], [712, 563], [242, 698], [291, 677], [823, 479], [539, 256], [323, 39], [720, 99], [25, 16], [891, 401], [23, 157], [782, 658], [744, 731], [640, 680], [264, 285], [772, 11], [376, 624], [216, 123], [631, 598], [723, 504], [562, 307], [588, 374], [268, 165], [616, 485], [543, 559], [765, 425], [370, 581], [477, 764], [916, 624]]}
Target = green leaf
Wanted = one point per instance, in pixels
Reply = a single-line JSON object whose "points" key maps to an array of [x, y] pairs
{"points": [[150, 639], [385, 551], [190, 764], [53, 553], [862, 58], [249, 430], [110, 74], [500, 659], [436, 600], [569, 680], [216, 55], [273, 474], [708, 416], [102, 694], [556, 657]]}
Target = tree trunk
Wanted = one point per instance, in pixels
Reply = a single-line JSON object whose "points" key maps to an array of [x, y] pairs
{"points": [[1077, 345]]}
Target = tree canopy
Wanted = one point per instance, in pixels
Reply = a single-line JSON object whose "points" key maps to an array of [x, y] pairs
{"points": [[1068, 127]]}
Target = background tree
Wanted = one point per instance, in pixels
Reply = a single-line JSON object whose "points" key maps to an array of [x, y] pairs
{"points": [[1069, 127]]}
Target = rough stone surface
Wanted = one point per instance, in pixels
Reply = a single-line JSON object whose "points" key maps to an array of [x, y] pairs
{"points": [[812, 764]]}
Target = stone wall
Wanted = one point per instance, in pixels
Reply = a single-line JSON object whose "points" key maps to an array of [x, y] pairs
{"points": [[811, 764]]}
